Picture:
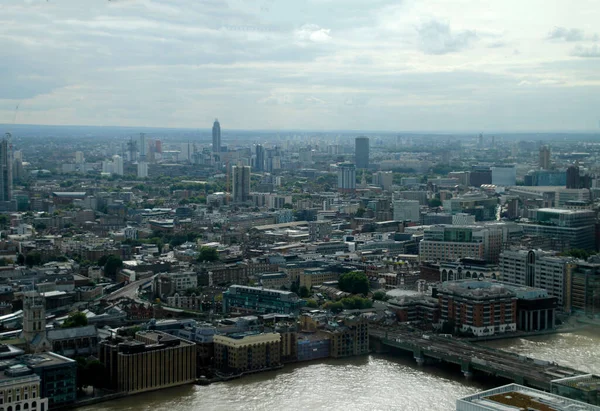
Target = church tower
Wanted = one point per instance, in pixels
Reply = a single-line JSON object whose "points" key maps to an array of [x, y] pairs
{"points": [[34, 320]]}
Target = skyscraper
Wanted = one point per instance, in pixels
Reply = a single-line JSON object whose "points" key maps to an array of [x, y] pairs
{"points": [[216, 137], [346, 177], [142, 169], [573, 180], [361, 152], [240, 183], [6, 168], [544, 157], [117, 165], [143, 148], [259, 163]]}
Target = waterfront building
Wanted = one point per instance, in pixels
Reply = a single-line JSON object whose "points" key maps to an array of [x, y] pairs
{"points": [[585, 288], [313, 346], [58, 377], [480, 307], [239, 298], [349, 336], [361, 152], [584, 388], [153, 360], [450, 243], [249, 351], [540, 269], [519, 397], [20, 390], [536, 309]]}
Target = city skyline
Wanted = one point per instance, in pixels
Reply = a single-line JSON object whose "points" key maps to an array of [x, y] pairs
{"points": [[408, 66]]}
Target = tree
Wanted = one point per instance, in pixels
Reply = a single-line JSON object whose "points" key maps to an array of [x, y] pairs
{"points": [[77, 319], [354, 282], [303, 291], [380, 296], [312, 303], [20, 259], [208, 254], [112, 265], [33, 258], [360, 212], [434, 202]]}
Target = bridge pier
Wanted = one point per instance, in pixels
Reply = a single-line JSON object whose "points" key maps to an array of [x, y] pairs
{"points": [[466, 370], [419, 357]]}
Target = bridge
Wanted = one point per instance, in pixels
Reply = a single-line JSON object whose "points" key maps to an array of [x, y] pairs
{"points": [[471, 357]]}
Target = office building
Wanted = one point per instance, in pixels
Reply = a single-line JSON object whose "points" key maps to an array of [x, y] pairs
{"points": [[546, 178], [216, 137], [58, 376], [407, 210], [504, 175], [468, 268], [361, 152], [480, 175], [239, 298], [482, 207], [420, 196], [585, 289], [537, 268], [518, 397], [479, 307], [584, 388], [346, 177], [143, 147], [142, 169], [20, 390], [319, 230], [562, 228], [383, 179], [463, 219], [240, 176], [349, 336], [450, 243], [246, 352], [6, 169], [573, 179], [153, 360], [259, 161], [544, 162]]}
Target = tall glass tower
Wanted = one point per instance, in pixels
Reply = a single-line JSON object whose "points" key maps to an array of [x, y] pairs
{"points": [[361, 152], [216, 137]]}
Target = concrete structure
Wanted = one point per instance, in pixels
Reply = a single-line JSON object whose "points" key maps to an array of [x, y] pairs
{"points": [[246, 352], [540, 269], [407, 210], [383, 179], [482, 207], [58, 376], [463, 219], [544, 162], [260, 300], [319, 230], [346, 177], [585, 289], [518, 397], [216, 137], [584, 388], [449, 243], [240, 182], [152, 361], [361, 152], [480, 307], [142, 169], [468, 268], [117, 165]]}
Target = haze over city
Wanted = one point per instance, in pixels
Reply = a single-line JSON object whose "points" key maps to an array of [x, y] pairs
{"points": [[313, 64]]}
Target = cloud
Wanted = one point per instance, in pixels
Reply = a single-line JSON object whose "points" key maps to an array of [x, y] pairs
{"points": [[562, 33], [311, 33], [592, 51], [437, 38]]}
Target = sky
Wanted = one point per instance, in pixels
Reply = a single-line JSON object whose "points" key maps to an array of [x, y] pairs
{"points": [[418, 65]]}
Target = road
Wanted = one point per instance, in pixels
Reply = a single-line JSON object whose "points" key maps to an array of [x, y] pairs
{"points": [[128, 291]]}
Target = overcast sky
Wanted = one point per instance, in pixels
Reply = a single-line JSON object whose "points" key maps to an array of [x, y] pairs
{"points": [[446, 65]]}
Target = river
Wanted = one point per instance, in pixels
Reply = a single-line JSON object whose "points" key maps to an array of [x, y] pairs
{"points": [[371, 382]]}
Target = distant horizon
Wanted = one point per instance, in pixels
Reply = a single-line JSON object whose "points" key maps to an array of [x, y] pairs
{"points": [[225, 130]]}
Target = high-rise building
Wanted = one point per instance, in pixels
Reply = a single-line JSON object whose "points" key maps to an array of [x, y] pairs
{"points": [[407, 210], [6, 168], [240, 183], [143, 148], [361, 152], [259, 162], [216, 137], [346, 177], [504, 175], [561, 228], [480, 175], [573, 180], [79, 159], [142, 169], [544, 157], [383, 179], [117, 165]]}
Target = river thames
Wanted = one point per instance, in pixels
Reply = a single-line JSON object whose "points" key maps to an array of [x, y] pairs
{"points": [[374, 382]]}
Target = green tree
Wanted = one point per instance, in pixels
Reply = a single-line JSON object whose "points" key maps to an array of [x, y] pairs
{"points": [[20, 259], [334, 306], [208, 254], [33, 258], [435, 202], [303, 291], [112, 265], [380, 296], [354, 282], [77, 319], [312, 303]]}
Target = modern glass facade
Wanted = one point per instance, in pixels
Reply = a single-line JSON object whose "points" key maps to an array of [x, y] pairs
{"points": [[260, 300]]}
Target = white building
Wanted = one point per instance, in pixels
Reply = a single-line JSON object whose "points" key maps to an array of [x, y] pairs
{"points": [[142, 169], [443, 243], [346, 177], [185, 280], [79, 159], [117, 167]]}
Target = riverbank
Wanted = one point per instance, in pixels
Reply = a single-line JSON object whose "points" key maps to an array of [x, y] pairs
{"points": [[522, 334]]}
